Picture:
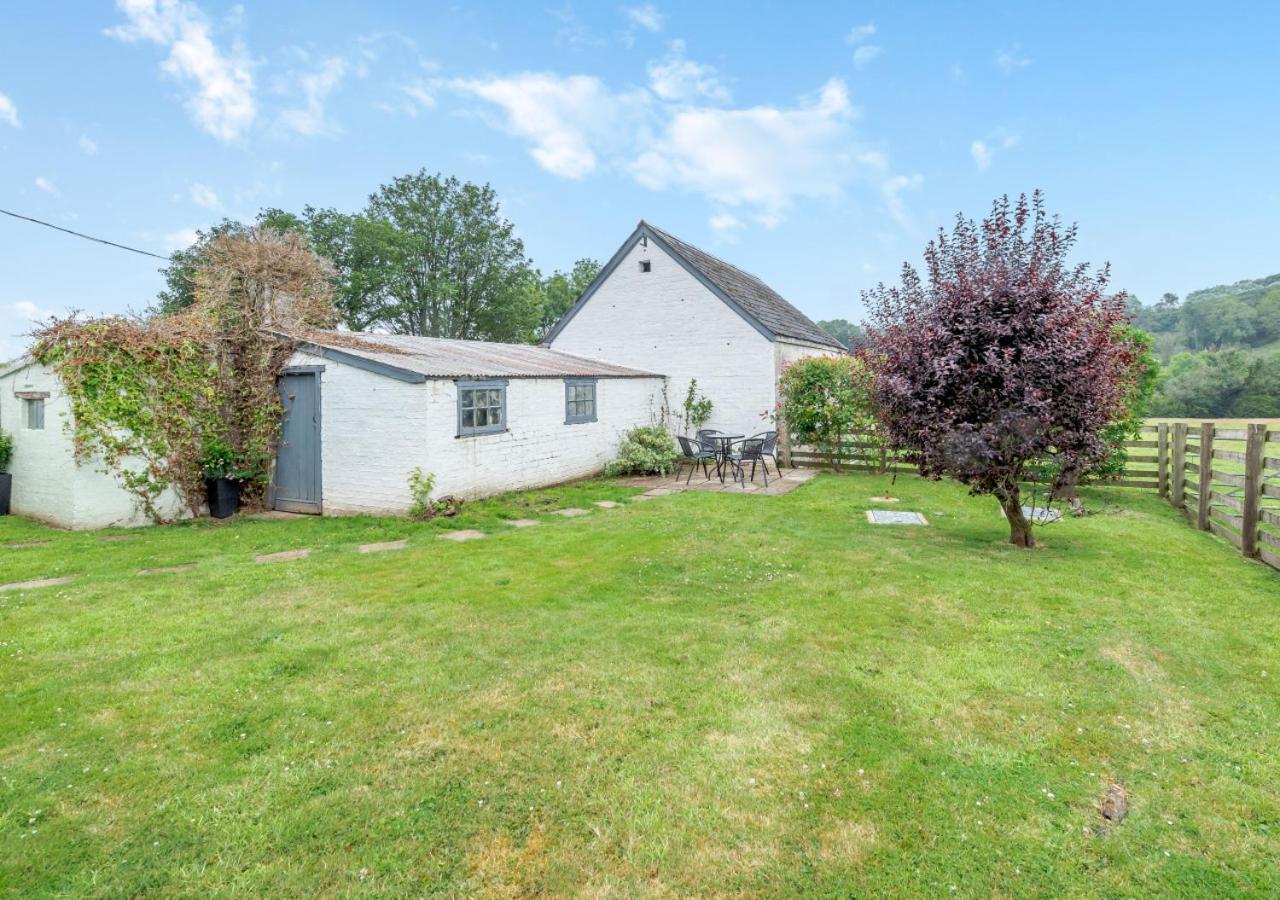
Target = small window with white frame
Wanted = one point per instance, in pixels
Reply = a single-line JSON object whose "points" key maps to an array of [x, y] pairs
{"points": [[646, 266], [579, 400], [34, 409], [482, 407]]}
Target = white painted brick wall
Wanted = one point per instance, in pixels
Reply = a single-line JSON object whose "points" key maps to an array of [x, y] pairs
{"points": [[375, 430], [47, 483], [665, 321]]}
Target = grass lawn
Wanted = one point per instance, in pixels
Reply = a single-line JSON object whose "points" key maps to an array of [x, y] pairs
{"points": [[700, 694]]}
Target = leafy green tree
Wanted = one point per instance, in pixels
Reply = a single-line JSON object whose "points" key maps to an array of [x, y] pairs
{"points": [[451, 264], [1202, 385], [561, 290], [845, 332], [1260, 396]]}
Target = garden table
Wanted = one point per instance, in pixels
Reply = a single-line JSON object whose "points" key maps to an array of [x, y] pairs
{"points": [[721, 443]]}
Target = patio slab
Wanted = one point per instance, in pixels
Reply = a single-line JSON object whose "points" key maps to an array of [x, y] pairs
{"points": [[282, 556], [167, 570], [383, 546], [663, 485], [607, 504], [571, 512], [895, 517], [466, 534], [523, 523], [37, 583]]}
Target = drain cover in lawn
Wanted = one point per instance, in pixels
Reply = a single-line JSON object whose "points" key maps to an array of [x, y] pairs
{"points": [[1039, 514], [895, 517]]}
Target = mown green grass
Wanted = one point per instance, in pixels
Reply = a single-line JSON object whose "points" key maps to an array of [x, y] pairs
{"points": [[700, 694]]}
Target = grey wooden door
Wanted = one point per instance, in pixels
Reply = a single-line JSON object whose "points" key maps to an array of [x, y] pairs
{"points": [[296, 486]]}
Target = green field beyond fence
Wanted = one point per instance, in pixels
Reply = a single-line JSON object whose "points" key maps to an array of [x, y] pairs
{"points": [[1225, 477]]}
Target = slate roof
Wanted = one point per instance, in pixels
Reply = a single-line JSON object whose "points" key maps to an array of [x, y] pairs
{"points": [[429, 357], [759, 300]]}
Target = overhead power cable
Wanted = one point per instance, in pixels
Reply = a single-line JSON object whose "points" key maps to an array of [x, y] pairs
{"points": [[87, 237]]}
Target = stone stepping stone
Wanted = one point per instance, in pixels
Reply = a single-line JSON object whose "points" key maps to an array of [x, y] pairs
{"points": [[884, 499], [38, 583], [658, 492], [115, 538], [22, 545], [607, 504], [383, 546], [282, 556], [523, 523], [167, 570], [571, 512], [466, 534], [639, 497], [895, 517]]}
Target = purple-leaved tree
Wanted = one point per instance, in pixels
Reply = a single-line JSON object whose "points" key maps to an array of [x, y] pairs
{"points": [[1003, 355]]}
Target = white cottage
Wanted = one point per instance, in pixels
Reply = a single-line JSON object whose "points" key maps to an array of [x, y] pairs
{"points": [[362, 411], [664, 305]]}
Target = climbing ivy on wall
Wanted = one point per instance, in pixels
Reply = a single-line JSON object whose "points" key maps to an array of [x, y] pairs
{"points": [[153, 400]]}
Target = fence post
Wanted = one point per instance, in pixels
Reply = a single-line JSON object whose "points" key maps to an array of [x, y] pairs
{"points": [[1162, 458], [1206, 475], [1253, 454], [1179, 466]]}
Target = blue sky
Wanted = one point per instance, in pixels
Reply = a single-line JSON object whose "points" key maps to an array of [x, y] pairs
{"points": [[816, 145]]}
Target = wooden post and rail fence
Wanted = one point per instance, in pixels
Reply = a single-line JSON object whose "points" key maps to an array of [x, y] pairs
{"points": [[1225, 480]]}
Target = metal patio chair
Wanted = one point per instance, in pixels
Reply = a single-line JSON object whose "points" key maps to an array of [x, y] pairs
{"points": [[694, 453], [770, 450], [750, 450]]}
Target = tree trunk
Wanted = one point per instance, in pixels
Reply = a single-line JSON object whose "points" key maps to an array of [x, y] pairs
{"points": [[1019, 527]]}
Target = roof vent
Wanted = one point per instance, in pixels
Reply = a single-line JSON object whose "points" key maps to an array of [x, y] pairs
{"points": [[645, 266]]}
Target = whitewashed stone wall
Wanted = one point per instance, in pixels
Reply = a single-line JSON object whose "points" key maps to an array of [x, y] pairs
{"points": [[374, 430], [666, 321], [47, 483]]}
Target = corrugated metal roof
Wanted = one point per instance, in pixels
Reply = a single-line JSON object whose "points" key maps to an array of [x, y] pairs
{"points": [[446, 358]]}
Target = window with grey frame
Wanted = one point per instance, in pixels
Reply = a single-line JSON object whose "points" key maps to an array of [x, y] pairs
{"points": [[482, 407], [35, 414], [579, 400]]}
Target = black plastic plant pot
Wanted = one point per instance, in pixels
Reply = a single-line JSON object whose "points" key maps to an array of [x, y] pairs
{"points": [[6, 488], [224, 497]]}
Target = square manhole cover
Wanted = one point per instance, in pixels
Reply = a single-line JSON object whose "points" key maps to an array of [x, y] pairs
{"points": [[895, 517]]}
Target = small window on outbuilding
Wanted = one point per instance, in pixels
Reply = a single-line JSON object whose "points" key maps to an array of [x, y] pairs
{"points": [[645, 266], [482, 407], [35, 414], [579, 400]]}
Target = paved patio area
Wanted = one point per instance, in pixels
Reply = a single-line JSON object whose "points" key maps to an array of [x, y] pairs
{"points": [[788, 482]]}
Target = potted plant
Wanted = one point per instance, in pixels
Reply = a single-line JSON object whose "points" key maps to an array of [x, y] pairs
{"points": [[222, 476], [6, 480]]}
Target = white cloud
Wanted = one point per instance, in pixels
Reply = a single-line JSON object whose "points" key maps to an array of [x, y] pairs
{"points": [[891, 188], [726, 225], [1010, 59], [309, 120], [981, 153], [422, 92], [222, 102], [678, 79], [204, 196], [863, 56], [180, 239], [752, 163], [18, 317], [46, 185], [860, 34], [572, 31], [88, 145], [860, 38], [644, 16], [9, 112], [761, 156], [569, 120]]}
